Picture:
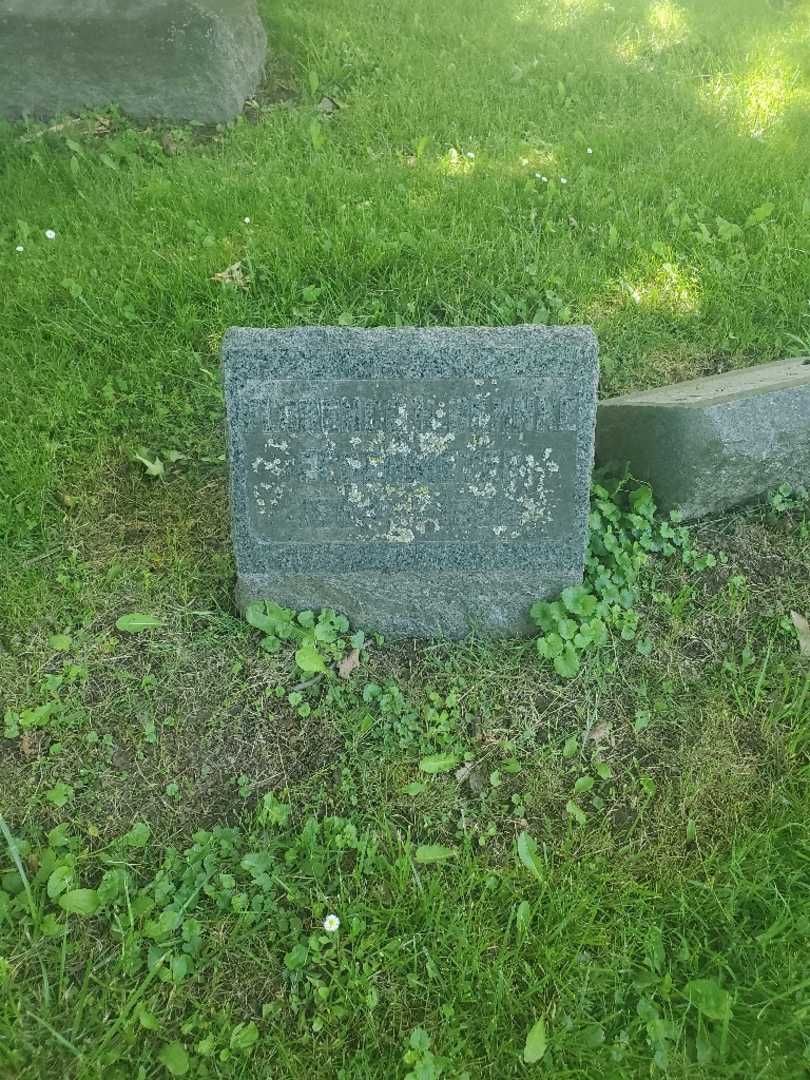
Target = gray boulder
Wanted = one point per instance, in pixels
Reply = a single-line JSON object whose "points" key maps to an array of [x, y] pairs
{"points": [[178, 59]]}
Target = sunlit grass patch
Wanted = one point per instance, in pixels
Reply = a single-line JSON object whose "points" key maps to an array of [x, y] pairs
{"points": [[558, 14], [756, 100], [668, 22], [669, 288], [665, 26]]}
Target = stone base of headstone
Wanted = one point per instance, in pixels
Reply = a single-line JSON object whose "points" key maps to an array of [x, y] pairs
{"points": [[451, 604], [424, 482], [710, 444], [193, 60]]}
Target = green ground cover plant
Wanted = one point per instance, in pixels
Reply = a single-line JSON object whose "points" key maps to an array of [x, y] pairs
{"points": [[283, 847]]}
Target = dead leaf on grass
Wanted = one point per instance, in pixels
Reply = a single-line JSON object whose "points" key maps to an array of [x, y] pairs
{"points": [[462, 773], [472, 775], [599, 732], [46, 131], [803, 631], [28, 746], [349, 663], [232, 275]]}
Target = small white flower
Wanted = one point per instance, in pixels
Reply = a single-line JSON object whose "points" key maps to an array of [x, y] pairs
{"points": [[563, 180], [524, 161], [247, 220], [544, 179], [470, 155], [19, 247], [50, 234], [589, 150], [331, 924]]}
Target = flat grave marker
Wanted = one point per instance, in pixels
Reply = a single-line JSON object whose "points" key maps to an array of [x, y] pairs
{"points": [[709, 444]]}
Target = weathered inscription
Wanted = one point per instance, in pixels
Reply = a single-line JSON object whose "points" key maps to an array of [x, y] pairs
{"points": [[410, 461]]}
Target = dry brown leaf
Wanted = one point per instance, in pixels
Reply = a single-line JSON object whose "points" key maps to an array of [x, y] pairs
{"points": [[462, 773], [477, 781], [471, 773], [232, 275], [27, 744], [46, 131], [349, 663], [803, 631], [599, 732]]}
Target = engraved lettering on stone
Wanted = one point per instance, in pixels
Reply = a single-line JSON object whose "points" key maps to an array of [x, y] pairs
{"points": [[408, 462]]}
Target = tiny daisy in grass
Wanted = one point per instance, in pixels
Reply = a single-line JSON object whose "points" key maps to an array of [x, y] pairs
{"points": [[50, 234], [331, 924]]}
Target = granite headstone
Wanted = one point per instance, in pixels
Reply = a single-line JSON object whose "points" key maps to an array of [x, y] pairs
{"points": [[424, 482], [179, 59]]}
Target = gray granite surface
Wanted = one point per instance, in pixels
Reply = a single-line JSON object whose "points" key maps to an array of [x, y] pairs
{"points": [[178, 59], [426, 482], [712, 443]]}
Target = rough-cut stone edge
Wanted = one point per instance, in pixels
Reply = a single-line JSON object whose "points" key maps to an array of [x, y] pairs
{"points": [[710, 390], [492, 602], [710, 444]]}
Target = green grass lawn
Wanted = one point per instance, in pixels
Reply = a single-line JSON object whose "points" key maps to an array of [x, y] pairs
{"points": [[620, 862]]}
